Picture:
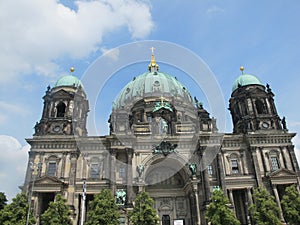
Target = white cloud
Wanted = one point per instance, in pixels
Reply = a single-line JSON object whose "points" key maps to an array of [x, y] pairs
{"points": [[294, 124], [13, 163], [8, 109], [214, 10], [111, 53], [35, 33]]}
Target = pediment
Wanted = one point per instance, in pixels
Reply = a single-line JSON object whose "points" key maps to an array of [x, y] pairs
{"points": [[165, 207], [282, 173], [48, 181], [62, 94]]}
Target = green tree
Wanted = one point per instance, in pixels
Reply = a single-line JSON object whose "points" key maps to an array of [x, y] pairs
{"points": [[143, 212], [265, 210], [16, 212], [3, 200], [58, 213], [103, 210], [218, 212], [291, 205]]}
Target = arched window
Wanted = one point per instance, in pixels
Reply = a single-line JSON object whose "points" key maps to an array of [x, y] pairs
{"points": [[274, 160], [52, 166], [260, 107], [60, 109], [51, 169], [95, 172], [95, 167], [122, 172], [234, 164]]}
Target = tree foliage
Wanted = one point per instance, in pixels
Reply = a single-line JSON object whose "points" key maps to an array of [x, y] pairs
{"points": [[265, 210], [3, 200], [291, 205], [16, 212], [218, 212], [143, 212], [103, 210], [58, 213]]}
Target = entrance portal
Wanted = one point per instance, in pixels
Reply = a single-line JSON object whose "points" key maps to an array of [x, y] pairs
{"points": [[167, 183], [166, 220]]}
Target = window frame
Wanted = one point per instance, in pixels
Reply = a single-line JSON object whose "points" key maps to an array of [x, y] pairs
{"points": [[122, 172], [95, 170], [234, 168], [272, 163], [210, 170], [51, 171]]}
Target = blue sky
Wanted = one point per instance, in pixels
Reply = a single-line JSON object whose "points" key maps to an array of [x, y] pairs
{"points": [[41, 40]]}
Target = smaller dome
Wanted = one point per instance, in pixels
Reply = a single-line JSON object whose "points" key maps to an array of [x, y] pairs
{"points": [[245, 79], [68, 80]]}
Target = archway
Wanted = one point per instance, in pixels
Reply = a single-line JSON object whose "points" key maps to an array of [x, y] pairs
{"points": [[168, 183]]}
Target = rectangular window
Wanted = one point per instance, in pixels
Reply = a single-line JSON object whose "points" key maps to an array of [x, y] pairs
{"points": [[51, 169], [122, 172], [210, 170], [95, 170], [274, 163], [234, 166]]}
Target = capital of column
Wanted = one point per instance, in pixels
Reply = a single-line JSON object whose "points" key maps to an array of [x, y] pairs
{"points": [[113, 152], [129, 152]]}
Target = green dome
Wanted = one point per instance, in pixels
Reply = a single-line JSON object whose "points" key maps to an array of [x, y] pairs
{"points": [[151, 84], [245, 79], [68, 80]]}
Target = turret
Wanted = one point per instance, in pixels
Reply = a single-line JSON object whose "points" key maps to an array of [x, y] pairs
{"points": [[252, 105], [65, 108]]}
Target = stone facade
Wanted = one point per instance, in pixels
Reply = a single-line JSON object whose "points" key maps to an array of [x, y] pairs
{"points": [[162, 142]]}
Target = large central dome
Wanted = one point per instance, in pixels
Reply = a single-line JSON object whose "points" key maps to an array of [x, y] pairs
{"points": [[152, 84]]}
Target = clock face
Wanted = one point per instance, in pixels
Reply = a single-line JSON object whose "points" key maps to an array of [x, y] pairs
{"points": [[56, 129], [265, 125]]}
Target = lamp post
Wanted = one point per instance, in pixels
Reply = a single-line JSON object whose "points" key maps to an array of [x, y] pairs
{"points": [[83, 202], [32, 167]]}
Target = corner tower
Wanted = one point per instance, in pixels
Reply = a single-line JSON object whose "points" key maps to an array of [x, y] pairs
{"points": [[252, 105], [65, 108]]}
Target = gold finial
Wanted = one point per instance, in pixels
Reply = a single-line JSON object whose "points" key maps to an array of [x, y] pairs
{"points": [[242, 69], [152, 66], [72, 69], [152, 57]]}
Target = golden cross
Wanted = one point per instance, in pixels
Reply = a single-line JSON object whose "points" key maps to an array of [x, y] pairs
{"points": [[152, 50]]}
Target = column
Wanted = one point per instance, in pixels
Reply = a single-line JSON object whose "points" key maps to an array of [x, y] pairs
{"points": [[72, 177], [249, 196], [221, 171], [195, 189], [290, 148], [112, 176], [263, 158], [282, 159], [63, 165], [206, 185], [129, 194], [29, 175], [256, 166], [231, 198], [244, 164], [275, 191], [250, 202]]}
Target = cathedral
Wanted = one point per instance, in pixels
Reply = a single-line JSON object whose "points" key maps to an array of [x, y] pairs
{"points": [[163, 141]]}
